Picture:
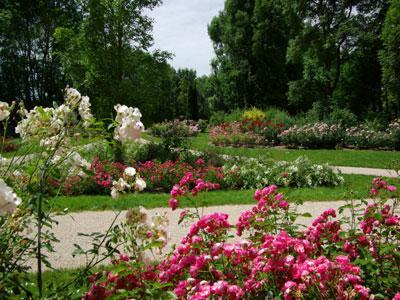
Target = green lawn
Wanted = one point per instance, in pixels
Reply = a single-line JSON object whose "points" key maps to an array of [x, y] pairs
{"points": [[357, 184], [354, 158]]}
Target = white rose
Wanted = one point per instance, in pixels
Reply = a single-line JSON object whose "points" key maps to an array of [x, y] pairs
{"points": [[8, 199], [4, 111], [140, 184], [72, 96], [130, 171]]}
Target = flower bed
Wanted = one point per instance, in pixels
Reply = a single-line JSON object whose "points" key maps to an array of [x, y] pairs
{"points": [[322, 135], [246, 132], [98, 177], [331, 259], [318, 135], [186, 128], [299, 173]]}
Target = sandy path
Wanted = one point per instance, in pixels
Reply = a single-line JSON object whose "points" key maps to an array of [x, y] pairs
{"points": [[87, 222]]}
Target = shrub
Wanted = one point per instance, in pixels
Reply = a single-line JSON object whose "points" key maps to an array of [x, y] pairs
{"points": [[220, 117], [277, 116], [186, 128], [364, 137], [253, 114], [342, 116]]}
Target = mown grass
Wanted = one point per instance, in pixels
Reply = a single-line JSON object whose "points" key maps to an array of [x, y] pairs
{"points": [[355, 187], [345, 157]]}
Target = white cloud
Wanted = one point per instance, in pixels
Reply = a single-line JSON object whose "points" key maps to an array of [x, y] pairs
{"points": [[180, 27]]}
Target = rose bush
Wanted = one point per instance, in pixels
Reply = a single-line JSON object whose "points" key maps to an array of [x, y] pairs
{"points": [[318, 135], [276, 259]]}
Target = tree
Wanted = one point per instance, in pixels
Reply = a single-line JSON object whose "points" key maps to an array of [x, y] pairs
{"points": [[390, 59], [28, 71], [98, 59], [250, 40], [332, 34]]}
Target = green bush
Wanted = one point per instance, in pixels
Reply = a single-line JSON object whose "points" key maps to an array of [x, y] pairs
{"points": [[342, 116], [220, 117]]}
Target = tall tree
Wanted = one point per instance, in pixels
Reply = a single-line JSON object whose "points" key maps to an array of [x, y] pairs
{"points": [[390, 59], [98, 57], [332, 32], [28, 71], [250, 40]]}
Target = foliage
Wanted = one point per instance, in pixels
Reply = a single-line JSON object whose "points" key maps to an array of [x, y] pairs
{"points": [[186, 128], [364, 137], [253, 114], [232, 134], [250, 41], [326, 44], [390, 58], [220, 117]]}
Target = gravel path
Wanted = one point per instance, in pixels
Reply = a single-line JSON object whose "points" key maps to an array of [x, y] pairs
{"points": [[367, 171], [88, 222]]}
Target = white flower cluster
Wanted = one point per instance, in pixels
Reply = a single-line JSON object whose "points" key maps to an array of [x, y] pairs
{"points": [[299, 173], [8, 199], [74, 163], [129, 180], [129, 125], [47, 123], [394, 126], [4, 110]]}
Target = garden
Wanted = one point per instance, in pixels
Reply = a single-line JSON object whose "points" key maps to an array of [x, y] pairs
{"points": [[269, 169], [67, 161]]}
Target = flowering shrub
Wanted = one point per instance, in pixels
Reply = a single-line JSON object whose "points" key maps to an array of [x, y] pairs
{"points": [[277, 259], [246, 132], [233, 134], [299, 173], [186, 128], [161, 176], [318, 135], [322, 135], [253, 114], [364, 137], [50, 125]]}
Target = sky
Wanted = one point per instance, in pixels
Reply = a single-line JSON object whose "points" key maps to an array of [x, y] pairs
{"points": [[180, 27]]}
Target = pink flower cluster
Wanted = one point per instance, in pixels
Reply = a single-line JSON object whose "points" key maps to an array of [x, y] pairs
{"points": [[161, 176], [105, 172], [276, 259], [189, 184]]}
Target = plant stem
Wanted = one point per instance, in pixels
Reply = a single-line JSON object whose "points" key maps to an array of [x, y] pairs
{"points": [[39, 247]]}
